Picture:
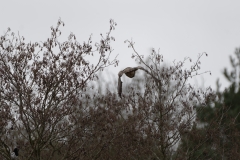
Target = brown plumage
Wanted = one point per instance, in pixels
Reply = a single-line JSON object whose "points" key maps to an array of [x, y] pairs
{"points": [[119, 87], [130, 72]]}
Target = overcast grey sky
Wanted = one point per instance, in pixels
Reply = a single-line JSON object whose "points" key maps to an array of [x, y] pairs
{"points": [[179, 28]]}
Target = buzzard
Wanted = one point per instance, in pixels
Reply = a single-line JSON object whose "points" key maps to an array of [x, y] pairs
{"points": [[130, 72]]}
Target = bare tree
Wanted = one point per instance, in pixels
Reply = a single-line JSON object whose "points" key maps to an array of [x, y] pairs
{"points": [[41, 84], [167, 107]]}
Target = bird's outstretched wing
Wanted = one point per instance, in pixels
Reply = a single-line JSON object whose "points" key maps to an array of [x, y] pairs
{"points": [[119, 87], [130, 72]]}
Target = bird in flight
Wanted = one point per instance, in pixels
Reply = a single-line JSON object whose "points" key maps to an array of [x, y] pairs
{"points": [[130, 72]]}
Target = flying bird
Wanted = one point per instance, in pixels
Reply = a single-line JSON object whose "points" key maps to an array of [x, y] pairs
{"points": [[130, 72]]}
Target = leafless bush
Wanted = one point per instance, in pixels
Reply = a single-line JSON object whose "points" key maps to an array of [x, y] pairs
{"points": [[216, 132]]}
